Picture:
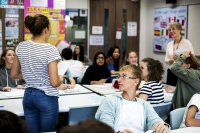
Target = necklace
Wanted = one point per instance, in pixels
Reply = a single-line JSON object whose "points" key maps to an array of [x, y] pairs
{"points": [[176, 45]]}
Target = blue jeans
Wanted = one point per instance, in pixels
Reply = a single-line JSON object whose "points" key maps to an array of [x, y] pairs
{"points": [[40, 110]]}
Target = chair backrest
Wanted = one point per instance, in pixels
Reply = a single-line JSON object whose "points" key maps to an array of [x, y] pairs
{"points": [[163, 109], [77, 115], [176, 117]]}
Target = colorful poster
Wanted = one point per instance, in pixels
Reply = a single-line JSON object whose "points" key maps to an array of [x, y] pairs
{"points": [[162, 18], [39, 3], [12, 3], [56, 17]]}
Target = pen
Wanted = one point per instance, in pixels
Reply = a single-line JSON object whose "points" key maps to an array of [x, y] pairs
{"points": [[108, 78]]}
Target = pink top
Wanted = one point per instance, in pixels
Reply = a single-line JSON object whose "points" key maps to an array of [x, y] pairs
{"points": [[177, 49]]}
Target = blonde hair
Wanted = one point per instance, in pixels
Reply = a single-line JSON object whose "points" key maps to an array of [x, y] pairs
{"points": [[176, 25], [135, 70]]}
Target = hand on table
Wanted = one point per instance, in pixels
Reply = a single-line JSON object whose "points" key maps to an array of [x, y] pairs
{"points": [[7, 88]]}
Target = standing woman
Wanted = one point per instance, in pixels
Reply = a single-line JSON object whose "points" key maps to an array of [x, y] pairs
{"points": [[113, 59], [79, 55], [174, 49], [6, 82], [37, 61]]}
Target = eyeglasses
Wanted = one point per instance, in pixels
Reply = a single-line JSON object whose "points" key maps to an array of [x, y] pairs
{"points": [[99, 57], [125, 77]]}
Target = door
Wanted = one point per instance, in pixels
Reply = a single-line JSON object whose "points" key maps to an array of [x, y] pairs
{"points": [[113, 16]]}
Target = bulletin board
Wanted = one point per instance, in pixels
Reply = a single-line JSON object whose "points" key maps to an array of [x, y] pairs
{"points": [[55, 15], [162, 18]]}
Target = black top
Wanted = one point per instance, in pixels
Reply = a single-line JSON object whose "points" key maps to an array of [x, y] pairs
{"points": [[96, 72]]}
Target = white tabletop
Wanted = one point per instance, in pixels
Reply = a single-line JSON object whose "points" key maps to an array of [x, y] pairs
{"points": [[81, 100], [186, 130], [65, 103], [14, 93], [78, 89], [19, 93], [103, 89]]}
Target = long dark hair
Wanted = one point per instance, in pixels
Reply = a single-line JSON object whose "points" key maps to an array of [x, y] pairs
{"points": [[110, 55], [81, 54], [2, 61]]}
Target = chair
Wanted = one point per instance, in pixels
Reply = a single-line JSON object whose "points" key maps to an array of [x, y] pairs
{"points": [[163, 109], [77, 115], [176, 117]]}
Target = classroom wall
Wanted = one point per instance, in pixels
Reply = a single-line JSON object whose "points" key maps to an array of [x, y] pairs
{"points": [[146, 22], [81, 4], [146, 29]]}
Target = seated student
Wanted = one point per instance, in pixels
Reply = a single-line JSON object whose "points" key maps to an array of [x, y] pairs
{"points": [[125, 112], [187, 69], [65, 75], [11, 123], [112, 60], [76, 67], [6, 82], [192, 114], [131, 59], [88, 126], [79, 55], [97, 73], [153, 90]]}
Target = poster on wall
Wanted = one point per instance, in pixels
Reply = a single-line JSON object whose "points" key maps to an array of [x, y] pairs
{"points": [[132, 28], [12, 12], [97, 40], [11, 31], [162, 18], [11, 3], [56, 17]]}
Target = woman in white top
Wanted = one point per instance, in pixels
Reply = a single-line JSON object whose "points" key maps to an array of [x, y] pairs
{"points": [[174, 49], [37, 61]]}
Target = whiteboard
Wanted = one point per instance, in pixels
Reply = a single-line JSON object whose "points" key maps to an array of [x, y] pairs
{"points": [[194, 27]]}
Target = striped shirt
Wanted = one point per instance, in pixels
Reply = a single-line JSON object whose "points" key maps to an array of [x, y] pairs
{"points": [[34, 59], [154, 90]]}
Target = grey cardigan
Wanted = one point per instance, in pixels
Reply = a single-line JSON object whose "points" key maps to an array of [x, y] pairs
{"points": [[6, 75]]}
